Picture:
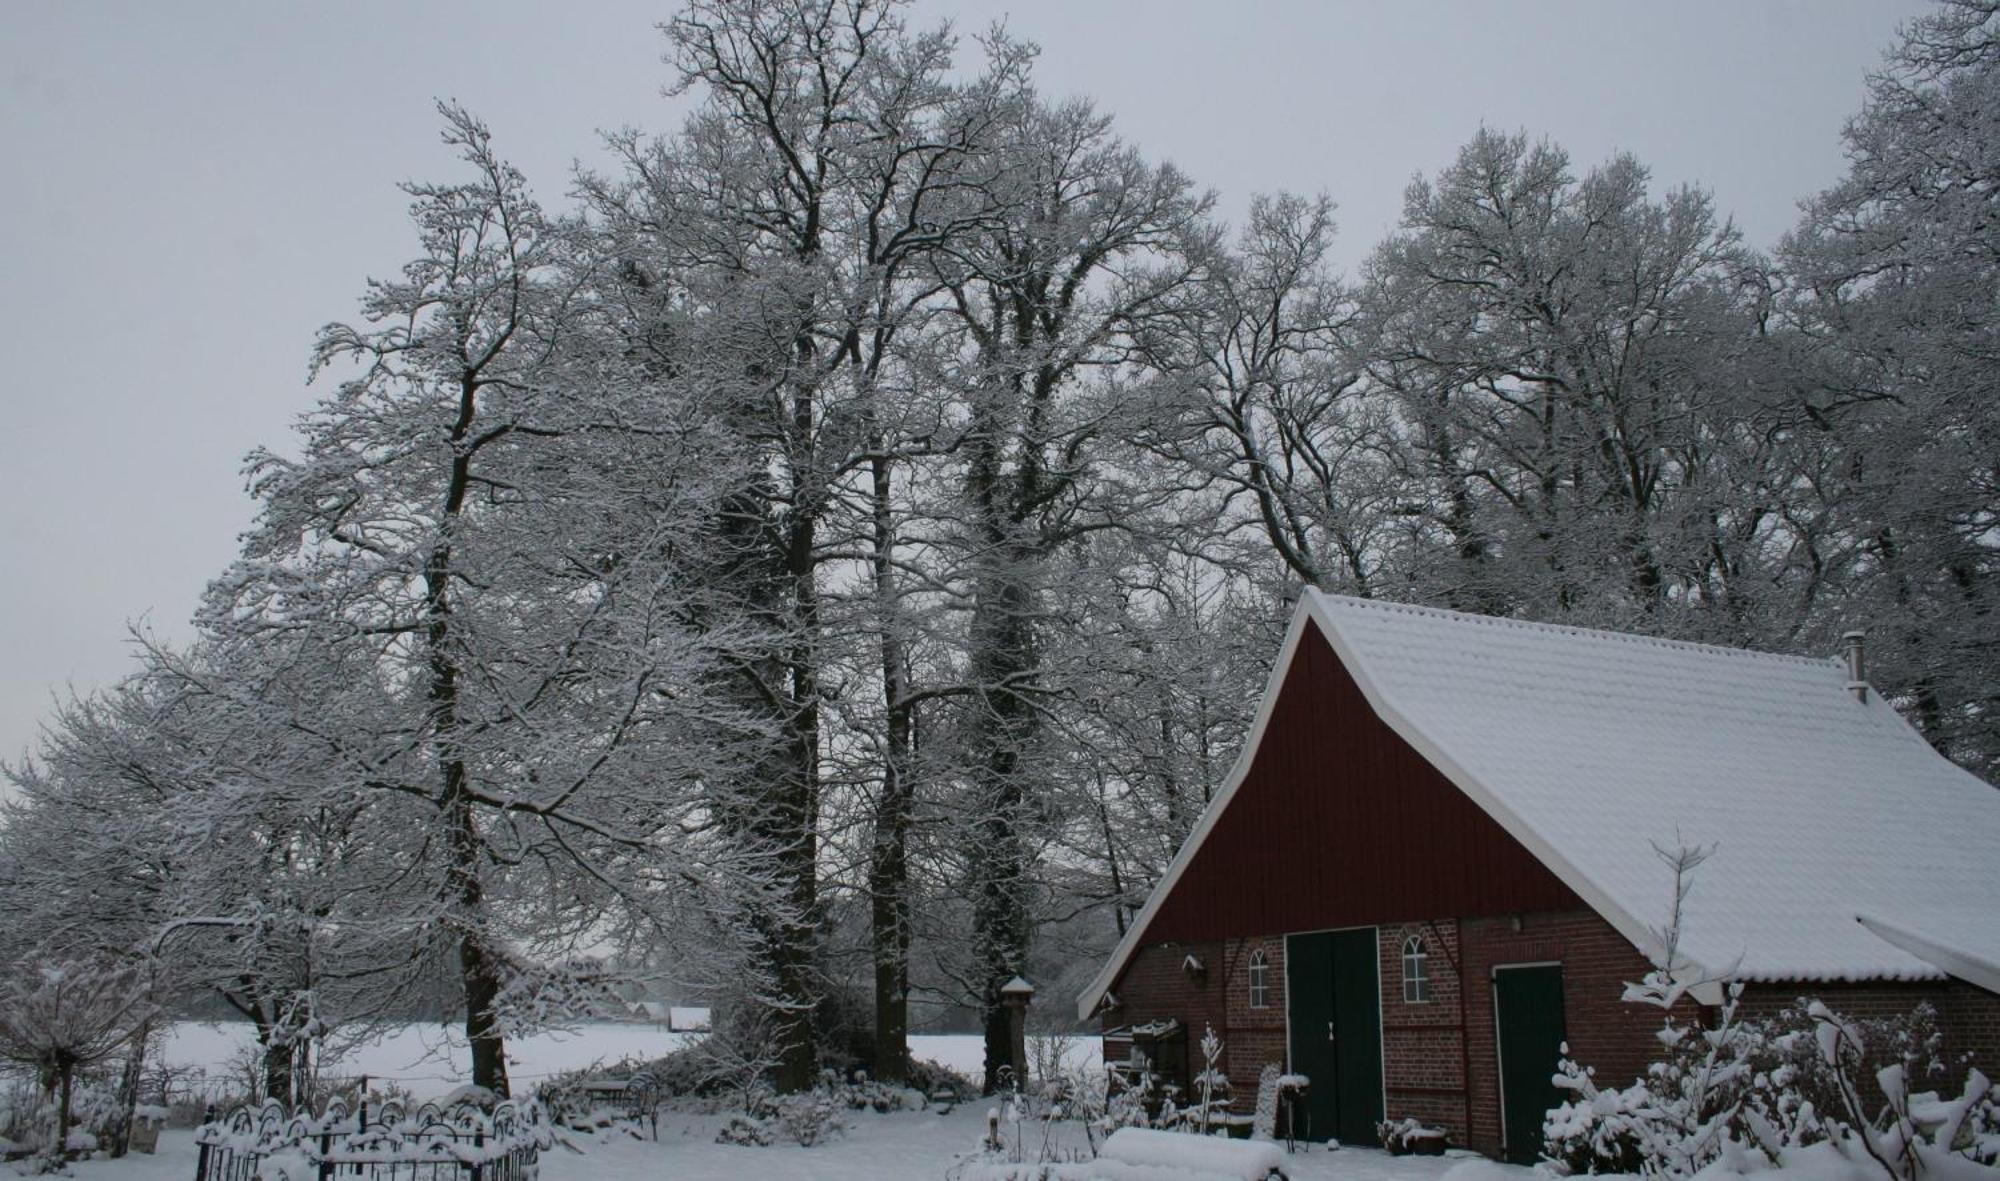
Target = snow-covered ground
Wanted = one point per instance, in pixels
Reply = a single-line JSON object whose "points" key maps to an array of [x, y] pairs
{"points": [[429, 1060], [900, 1146]]}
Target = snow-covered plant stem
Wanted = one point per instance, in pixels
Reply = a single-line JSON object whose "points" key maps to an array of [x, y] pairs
{"points": [[1211, 1053]]}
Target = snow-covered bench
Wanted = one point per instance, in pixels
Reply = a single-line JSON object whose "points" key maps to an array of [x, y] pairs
{"points": [[1141, 1154]]}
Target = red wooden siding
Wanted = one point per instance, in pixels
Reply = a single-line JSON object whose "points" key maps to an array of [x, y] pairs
{"points": [[1341, 823]]}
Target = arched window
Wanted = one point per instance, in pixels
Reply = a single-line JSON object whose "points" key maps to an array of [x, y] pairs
{"points": [[1260, 980], [1416, 971]]}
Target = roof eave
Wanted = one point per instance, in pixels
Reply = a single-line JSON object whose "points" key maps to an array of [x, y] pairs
{"points": [[1967, 964], [1087, 1000]]}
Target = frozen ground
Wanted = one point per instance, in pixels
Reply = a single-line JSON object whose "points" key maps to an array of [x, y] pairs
{"points": [[904, 1146]]}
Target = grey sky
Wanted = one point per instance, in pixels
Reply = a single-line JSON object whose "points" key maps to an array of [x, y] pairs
{"points": [[188, 191]]}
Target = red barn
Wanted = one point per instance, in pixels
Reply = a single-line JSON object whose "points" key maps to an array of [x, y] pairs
{"points": [[1435, 861]]}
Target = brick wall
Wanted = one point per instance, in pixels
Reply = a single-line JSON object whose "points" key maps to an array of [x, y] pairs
{"points": [[1440, 1063], [1968, 1017], [1157, 984], [1601, 1030], [1423, 1042], [1252, 1037]]}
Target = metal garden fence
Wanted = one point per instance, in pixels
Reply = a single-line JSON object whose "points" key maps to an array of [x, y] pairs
{"points": [[459, 1143]]}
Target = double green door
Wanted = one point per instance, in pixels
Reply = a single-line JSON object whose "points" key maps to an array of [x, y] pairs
{"points": [[1334, 996]]}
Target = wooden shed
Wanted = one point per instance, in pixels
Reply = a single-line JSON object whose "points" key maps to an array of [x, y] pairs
{"points": [[1435, 862]]}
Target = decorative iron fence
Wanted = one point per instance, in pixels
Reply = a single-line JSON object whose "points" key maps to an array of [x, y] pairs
{"points": [[459, 1143]]}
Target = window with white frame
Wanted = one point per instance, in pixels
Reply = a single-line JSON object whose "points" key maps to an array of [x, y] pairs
{"points": [[1416, 971], [1260, 980]]}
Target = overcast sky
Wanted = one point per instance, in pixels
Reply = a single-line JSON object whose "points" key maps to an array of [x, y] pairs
{"points": [[188, 191]]}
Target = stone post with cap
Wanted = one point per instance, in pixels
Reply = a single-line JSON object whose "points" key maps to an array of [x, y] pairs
{"points": [[1015, 994]]}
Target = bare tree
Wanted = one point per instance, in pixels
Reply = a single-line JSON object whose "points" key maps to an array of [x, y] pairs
{"points": [[1895, 271], [1085, 244]]}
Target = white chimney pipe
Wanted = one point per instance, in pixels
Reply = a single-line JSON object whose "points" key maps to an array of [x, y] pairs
{"points": [[1857, 664]]}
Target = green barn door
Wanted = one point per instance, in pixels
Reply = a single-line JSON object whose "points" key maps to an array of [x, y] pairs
{"points": [[1336, 1021], [1528, 1008], [1309, 1004]]}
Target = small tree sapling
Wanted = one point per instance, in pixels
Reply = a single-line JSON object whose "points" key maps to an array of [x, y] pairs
{"points": [[59, 1018]]}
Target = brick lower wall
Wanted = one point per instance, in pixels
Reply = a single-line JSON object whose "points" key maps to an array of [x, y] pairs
{"points": [[1158, 985], [1424, 1062], [1440, 1063], [1968, 1017], [1600, 1030]]}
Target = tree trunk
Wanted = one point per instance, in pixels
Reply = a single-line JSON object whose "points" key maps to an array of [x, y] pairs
{"points": [[479, 969], [465, 892], [278, 1069], [1003, 660], [888, 863], [65, 1080], [128, 1089]]}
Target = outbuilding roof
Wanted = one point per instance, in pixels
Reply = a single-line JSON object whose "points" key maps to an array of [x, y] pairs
{"points": [[1844, 846]]}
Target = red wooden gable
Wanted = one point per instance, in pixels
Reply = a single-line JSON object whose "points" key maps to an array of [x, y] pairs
{"points": [[1340, 823]]}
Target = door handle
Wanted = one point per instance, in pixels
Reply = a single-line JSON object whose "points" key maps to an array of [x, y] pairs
{"points": [[1329, 1031]]}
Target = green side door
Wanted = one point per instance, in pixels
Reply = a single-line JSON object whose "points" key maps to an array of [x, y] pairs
{"points": [[1528, 1011], [1334, 1000]]}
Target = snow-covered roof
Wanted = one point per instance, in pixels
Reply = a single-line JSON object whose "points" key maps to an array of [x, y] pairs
{"points": [[688, 1018], [1592, 747]]}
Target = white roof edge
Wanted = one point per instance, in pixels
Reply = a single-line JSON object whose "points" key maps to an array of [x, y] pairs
{"points": [[1967, 965], [1087, 1000], [1633, 928]]}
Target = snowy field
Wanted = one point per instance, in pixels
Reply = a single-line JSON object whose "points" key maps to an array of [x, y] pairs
{"points": [[902, 1146], [429, 1060]]}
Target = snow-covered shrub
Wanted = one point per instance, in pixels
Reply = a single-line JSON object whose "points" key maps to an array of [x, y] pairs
{"points": [[809, 1118], [939, 1082], [20, 1104], [1801, 1077], [865, 1094], [1749, 1090], [745, 1130], [1208, 1107], [1402, 1137], [1123, 1109], [571, 1104]]}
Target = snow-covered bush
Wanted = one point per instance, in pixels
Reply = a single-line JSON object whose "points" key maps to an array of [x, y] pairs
{"points": [[1402, 1137], [808, 1119], [811, 1117], [1211, 1088], [1803, 1077], [1767, 1089], [939, 1082], [743, 1129], [20, 1103]]}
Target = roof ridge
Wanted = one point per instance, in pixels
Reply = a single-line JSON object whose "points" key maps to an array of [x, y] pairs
{"points": [[1391, 605]]}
